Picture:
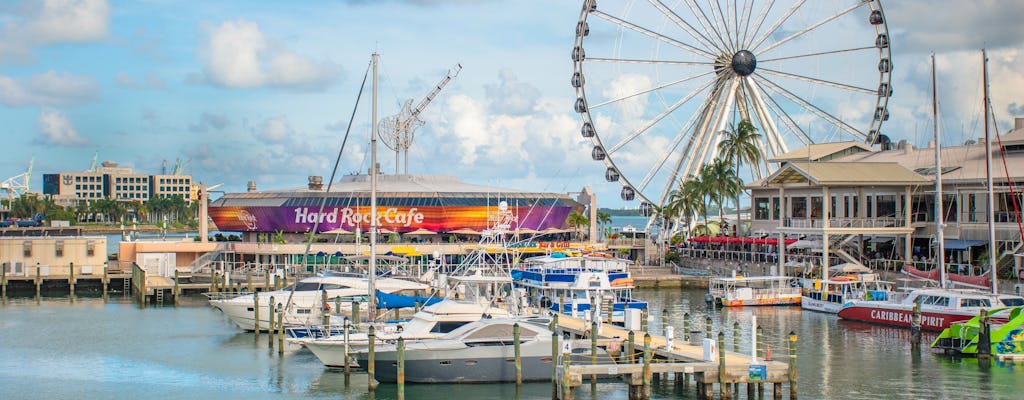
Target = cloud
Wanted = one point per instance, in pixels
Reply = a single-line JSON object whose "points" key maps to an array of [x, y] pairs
{"points": [[56, 129], [151, 81], [276, 130], [52, 22], [236, 54], [511, 96], [954, 25], [47, 89], [209, 121]]}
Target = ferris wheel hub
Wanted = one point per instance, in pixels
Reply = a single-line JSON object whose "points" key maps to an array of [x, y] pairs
{"points": [[744, 63]]}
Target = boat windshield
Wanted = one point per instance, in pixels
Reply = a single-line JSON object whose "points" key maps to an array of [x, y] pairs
{"points": [[303, 287], [1012, 301]]}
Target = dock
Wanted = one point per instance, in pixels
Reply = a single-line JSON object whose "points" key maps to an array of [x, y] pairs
{"points": [[652, 359]]}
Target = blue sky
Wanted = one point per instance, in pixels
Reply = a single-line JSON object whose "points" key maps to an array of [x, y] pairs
{"points": [[262, 90]]}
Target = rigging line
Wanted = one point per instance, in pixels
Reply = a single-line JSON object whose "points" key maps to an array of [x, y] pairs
{"points": [[1002, 154], [323, 201]]}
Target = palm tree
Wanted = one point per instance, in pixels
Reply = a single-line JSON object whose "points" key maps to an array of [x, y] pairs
{"points": [[688, 200], [603, 218], [576, 220], [741, 144]]}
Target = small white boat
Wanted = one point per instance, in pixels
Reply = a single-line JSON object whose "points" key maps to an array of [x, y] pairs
{"points": [[772, 290], [303, 301], [575, 280], [845, 283]]}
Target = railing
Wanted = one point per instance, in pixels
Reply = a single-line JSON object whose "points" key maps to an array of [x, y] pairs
{"points": [[880, 222]]}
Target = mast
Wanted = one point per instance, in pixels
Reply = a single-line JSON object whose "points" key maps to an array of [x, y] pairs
{"points": [[939, 210], [988, 177], [373, 198]]}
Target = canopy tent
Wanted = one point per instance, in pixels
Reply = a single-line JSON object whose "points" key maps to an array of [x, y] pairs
{"points": [[465, 231], [745, 240], [338, 231], [421, 231], [526, 231], [960, 244], [848, 268], [805, 244], [554, 230]]}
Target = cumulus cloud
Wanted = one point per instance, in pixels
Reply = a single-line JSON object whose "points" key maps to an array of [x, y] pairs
{"points": [[208, 121], [236, 54], [47, 89], [954, 25], [52, 22], [276, 130], [510, 96], [56, 129]]}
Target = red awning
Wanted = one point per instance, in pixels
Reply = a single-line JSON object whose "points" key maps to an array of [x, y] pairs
{"points": [[733, 240]]}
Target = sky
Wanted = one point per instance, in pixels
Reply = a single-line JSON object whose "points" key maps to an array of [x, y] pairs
{"points": [[263, 90]]}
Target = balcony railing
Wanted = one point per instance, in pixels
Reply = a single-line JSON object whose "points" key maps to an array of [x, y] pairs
{"points": [[881, 222]]}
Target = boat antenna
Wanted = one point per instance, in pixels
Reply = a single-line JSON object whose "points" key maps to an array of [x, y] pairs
{"points": [[939, 210], [988, 174], [371, 313]]}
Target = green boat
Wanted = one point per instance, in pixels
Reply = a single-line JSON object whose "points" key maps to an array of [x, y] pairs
{"points": [[1006, 327]]}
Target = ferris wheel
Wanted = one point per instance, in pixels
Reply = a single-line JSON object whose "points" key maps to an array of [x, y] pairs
{"points": [[658, 82]]}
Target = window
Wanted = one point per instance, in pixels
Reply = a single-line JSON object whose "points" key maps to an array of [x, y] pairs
{"points": [[26, 248], [90, 248], [58, 249], [775, 208], [761, 211], [799, 207]]}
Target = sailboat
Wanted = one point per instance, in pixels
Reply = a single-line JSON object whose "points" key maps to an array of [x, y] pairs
{"points": [[942, 306]]}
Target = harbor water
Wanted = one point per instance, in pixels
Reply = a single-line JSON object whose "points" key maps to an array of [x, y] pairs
{"points": [[54, 347]]}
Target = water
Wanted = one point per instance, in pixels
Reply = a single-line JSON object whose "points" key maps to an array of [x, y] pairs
{"points": [[91, 349]]}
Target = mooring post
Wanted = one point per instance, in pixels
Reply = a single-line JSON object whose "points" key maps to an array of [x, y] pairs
{"points": [[518, 356], [401, 368], [416, 306], [346, 326], [631, 346], [325, 312], [561, 304], [270, 322], [647, 366], [792, 367], [554, 364], [707, 328], [723, 388], [213, 281], [915, 325], [3, 279], [567, 393], [337, 305], [984, 337], [593, 348], [355, 313], [280, 330], [105, 280], [248, 279], [760, 351], [255, 316], [177, 288], [71, 279], [644, 315], [39, 280], [664, 317], [371, 338]]}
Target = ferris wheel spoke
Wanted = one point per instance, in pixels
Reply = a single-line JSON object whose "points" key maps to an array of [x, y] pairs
{"points": [[810, 28], [668, 13], [776, 108], [819, 81], [716, 5], [761, 17], [638, 61], [651, 90], [652, 34], [705, 22], [702, 131], [820, 53], [761, 109], [771, 30], [748, 6], [658, 118], [651, 173], [812, 108]]}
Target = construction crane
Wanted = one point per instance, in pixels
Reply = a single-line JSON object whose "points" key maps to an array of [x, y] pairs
{"points": [[17, 185], [397, 130], [179, 166], [92, 167]]}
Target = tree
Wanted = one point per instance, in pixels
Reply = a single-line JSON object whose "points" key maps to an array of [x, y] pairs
{"points": [[576, 220], [604, 218], [741, 144]]}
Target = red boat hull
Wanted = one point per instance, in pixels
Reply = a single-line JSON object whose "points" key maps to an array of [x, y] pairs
{"points": [[900, 317]]}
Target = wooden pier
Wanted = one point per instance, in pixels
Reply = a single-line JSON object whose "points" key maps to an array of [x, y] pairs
{"points": [[36, 277], [651, 360]]}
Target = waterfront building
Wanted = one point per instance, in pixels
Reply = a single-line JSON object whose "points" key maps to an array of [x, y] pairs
{"points": [[110, 181], [405, 203], [886, 196], [54, 255]]}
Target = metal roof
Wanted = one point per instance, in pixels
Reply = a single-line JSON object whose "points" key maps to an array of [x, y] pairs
{"points": [[823, 151], [845, 173]]}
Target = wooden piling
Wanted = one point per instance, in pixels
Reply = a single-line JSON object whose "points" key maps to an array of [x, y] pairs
{"points": [[248, 280], [723, 388], [760, 353], [792, 368], [106, 280], [707, 328], [567, 393], [177, 288], [401, 367], [593, 348], [736, 336], [348, 369], [39, 280], [984, 337], [3, 280], [631, 346], [554, 364], [280, 330], [686, 327], [270, 321], [915, 324], [371, 338], [325, 312], [518, 355], [355, 313], [255, 315], [647, 366], [71, 280], [643, 320]]}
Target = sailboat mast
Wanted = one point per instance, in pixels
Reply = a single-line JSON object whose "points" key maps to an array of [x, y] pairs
{"points": [[373, 198], [988, 176], [939, 210]]}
